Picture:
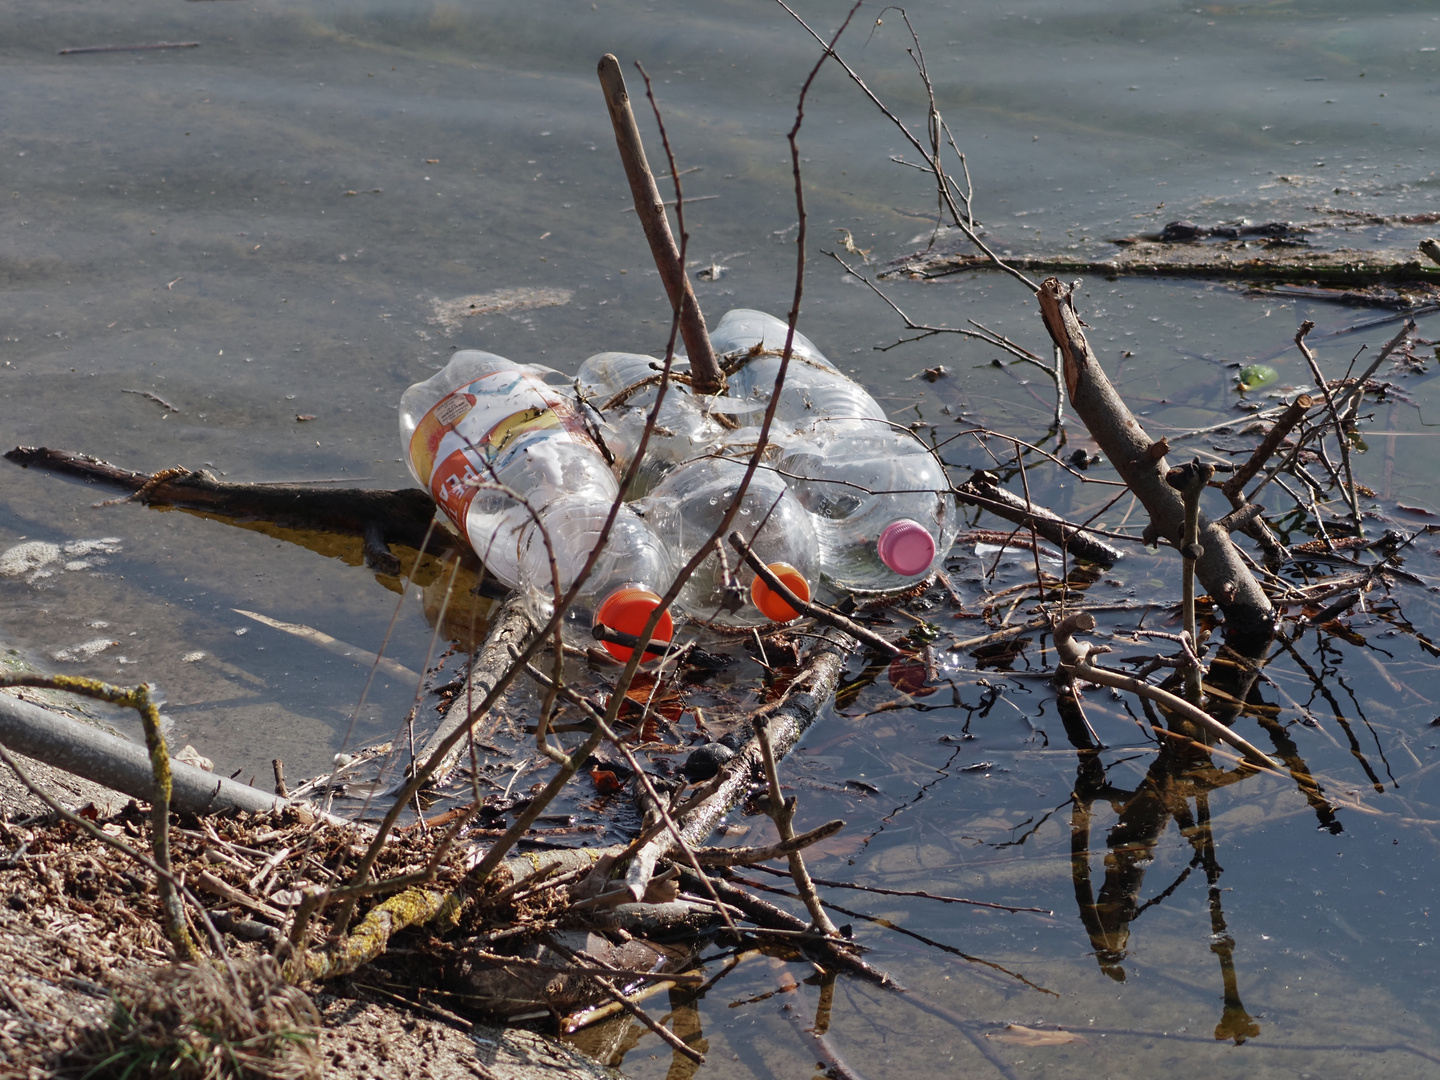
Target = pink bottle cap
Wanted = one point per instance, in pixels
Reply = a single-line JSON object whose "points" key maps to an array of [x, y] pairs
{"points": [[906, 547]]}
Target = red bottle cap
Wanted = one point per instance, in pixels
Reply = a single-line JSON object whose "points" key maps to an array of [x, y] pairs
{"points": [[770, 603], [626, 611], [906, 547]]}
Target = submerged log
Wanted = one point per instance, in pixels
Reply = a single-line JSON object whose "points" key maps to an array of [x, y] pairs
{"points": [[1230, 260], [379, 517]]}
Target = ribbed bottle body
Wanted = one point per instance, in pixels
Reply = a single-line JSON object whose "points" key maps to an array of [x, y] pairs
{"points": [[624, 387], [687, 507], [508, 459]]}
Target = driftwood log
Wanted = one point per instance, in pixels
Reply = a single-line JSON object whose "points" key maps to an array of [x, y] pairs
{"points": [[510, 629], [120, 764], [1140, 461]]}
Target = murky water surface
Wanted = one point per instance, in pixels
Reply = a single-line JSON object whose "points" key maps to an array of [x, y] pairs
{"points": [[275, 225]]}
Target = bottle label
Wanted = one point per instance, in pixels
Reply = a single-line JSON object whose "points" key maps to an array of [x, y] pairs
{"points": [[468, 436]]}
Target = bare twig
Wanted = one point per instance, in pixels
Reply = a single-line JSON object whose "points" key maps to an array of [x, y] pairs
{"points": [[818, 612], [1352, 400], [705, 371], [1076, 656], [748, 856], [782, 812], [946, 190], [1324, 384]]}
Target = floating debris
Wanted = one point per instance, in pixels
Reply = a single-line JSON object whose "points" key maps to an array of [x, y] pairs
{"points": [[79, 654], [448, 313], [36, 560], [1257, 377]]}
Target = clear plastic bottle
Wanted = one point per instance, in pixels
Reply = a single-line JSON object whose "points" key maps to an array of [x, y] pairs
{"points": [[484, 430], [687, 506], [878, 496], [681, 432], [883, 515], [814, 389]]}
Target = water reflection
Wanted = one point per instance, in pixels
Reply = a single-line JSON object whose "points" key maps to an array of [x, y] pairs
{"points": [[1181, 774]]}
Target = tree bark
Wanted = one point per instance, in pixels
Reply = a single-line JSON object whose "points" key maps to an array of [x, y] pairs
{"points": [[705, 373], [1140, 461]]}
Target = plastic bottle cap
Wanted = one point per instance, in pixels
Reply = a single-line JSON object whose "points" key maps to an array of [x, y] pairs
{"points": [[906, 547], [770, 603], [626, 611]]}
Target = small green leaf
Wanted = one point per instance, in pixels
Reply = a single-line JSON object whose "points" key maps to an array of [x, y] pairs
{"points": [[1257, 376]]}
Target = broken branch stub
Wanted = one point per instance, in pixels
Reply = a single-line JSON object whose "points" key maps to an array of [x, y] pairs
{"points": [[1140, 461], [705, 374]]}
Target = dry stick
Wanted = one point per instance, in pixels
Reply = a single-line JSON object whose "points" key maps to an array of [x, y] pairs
{"points": [[128, 48], [705, 371], [963, 222], [980, 491], [1190, 480], [1076, 656], [1352, 400], [1350, 494], [782, 812], [668, 1036], [816, 611], [1293, 414], [1139, 461], [278, 767], [922, 894], [747, 856]]}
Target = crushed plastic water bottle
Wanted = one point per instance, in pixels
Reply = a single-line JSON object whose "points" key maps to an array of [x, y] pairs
{"points": [[487, 436], [623, 387], [879, 497], [814, 388], [687, 507]]}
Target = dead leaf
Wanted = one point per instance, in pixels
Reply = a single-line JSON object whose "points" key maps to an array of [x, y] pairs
{"points": [[448, 313], [1021, 1035]]}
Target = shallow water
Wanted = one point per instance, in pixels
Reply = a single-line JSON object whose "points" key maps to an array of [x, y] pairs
{"points": [[262, 228]]}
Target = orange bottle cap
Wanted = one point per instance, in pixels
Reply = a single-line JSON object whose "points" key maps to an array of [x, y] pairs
{"points": [[626, 611], [770, 603]]}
